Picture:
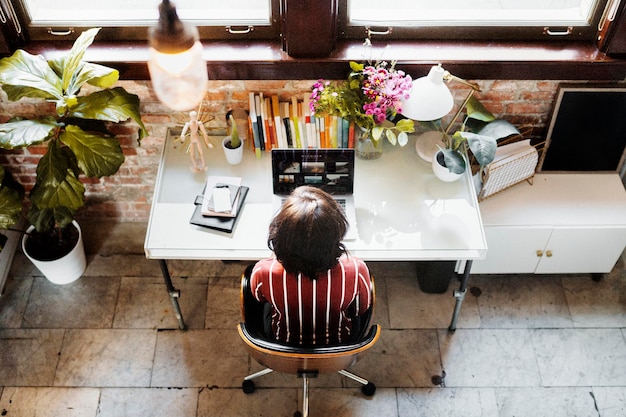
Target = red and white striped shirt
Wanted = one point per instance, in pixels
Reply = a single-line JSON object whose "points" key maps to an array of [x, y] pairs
{"points": [[313, 312]]}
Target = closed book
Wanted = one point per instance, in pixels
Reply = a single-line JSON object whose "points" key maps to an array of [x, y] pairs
{"points": [[223, 224]]}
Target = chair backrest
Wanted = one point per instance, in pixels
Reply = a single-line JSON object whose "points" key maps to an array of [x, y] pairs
{"points": [[295, 359]]}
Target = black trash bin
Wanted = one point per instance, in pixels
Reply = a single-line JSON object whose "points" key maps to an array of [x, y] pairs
{"points": [[434, 277]]}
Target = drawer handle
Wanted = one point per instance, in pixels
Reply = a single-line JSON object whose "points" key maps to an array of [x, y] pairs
{"points": [[539, 253], [548, 253]]}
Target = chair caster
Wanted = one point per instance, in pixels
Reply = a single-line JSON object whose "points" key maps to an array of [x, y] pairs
{"points": [[368, 389], [248, 386]]}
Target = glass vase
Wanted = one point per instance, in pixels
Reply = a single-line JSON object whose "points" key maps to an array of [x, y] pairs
{"points": [[366, 147]]}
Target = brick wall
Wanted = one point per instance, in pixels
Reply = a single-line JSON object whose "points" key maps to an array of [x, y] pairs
{"points": [[127, 195]]}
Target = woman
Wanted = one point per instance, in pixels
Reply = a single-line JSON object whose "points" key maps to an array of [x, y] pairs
{"points": [[314, 290]]}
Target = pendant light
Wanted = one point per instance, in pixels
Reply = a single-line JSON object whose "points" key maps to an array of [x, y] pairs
{"points": [[177, 69]]}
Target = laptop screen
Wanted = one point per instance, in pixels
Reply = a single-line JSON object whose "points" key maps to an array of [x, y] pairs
{"points": [[332, 170]]}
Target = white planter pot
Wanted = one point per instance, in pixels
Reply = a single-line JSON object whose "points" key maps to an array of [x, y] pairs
{"points": [[442, 172], [233, 156], [66, 269]]}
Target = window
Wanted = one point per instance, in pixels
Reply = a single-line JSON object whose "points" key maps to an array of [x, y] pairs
{"points": [[319, 28], [123, 19], [479, 19]]}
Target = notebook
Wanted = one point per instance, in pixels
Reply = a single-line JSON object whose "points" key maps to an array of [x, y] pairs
{"points": [[332, 170]]}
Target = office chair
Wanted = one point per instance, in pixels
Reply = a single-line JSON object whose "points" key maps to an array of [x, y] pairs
{"points": [[306, 362]]}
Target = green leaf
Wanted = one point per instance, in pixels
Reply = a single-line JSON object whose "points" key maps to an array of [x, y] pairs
{"points": [[47, 219], [22, 133], [57, 181], [454, 161], [73, 61], [499, 129], [377, 132], [391, 137], [11, 194], [96, 155], [476, 110], [483, 147], [356, 67], [26, 75], [403, 138], [112, 105], [405, 125]]}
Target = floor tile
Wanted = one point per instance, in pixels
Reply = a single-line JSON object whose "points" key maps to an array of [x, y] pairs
{"points": [[232, 402], [144, 302], [144, 402], [49, 402], [223, 306], [106, 358], [122, 265], [489, 358], [446, 402], [521, 301], [597, 304], [611, 401], [88, 302], [14, 301], [350, 402], [199, 358], [546, 402], [401, 358], [412, 308], [581, 357], [29, 356]]}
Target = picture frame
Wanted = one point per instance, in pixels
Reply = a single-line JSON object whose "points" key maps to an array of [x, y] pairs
{"points": [[587, 129]]}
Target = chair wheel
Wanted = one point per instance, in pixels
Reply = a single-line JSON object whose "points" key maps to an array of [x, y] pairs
{"points": [[248, 386], [368, 389]]}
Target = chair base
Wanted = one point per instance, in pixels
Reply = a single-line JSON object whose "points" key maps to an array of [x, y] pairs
{"points": [[367, 388]]}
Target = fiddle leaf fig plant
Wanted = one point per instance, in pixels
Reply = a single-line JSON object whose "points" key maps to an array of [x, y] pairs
{"points": [[78, 140]]}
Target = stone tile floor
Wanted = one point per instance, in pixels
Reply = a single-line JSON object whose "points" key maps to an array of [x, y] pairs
{"points": [[108, 345]]}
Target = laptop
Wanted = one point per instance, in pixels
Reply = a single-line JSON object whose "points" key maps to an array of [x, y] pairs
{"points": [[332, 170]]}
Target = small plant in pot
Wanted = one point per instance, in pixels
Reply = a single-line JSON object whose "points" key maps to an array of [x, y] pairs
{"points": [[79, 143], [478, 133], [232, 144]]}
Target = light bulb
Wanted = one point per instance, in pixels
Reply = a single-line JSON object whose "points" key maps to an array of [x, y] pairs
{"points": [[179, 79], [177, 69]]}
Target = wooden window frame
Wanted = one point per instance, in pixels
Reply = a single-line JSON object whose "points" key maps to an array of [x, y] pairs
{"points": [[310, 48]]}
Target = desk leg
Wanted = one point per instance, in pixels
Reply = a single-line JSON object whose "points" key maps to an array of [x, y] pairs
{"points": [[460, 295], [173, 292]]}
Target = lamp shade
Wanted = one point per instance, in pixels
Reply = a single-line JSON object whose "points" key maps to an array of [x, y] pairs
{"points": [[429, 98], [177, 70]]}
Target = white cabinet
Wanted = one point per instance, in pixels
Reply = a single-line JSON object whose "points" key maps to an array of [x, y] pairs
{"points": [[563, 223]]}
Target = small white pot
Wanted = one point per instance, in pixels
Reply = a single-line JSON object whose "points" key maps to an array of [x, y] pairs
{"points": [[66, 269], [233, 156], [442, 172]]}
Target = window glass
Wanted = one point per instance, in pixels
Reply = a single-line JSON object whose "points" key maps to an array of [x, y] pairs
{"points": [[128, 13], [131, 18], [440, 18], [477, 12]]}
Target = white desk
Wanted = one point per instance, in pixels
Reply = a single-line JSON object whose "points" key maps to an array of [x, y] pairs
{"points": [[403, 212]]}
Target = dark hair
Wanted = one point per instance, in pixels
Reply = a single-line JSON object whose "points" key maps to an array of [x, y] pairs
{"points": [[306, 233]]}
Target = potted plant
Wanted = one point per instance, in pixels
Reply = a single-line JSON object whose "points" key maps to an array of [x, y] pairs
{"points": [[478, 134], [371, 97], [78, 140], [232, 144]]}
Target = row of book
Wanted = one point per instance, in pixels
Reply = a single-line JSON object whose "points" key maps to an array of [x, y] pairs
{"points": [[280, 124]]}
